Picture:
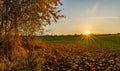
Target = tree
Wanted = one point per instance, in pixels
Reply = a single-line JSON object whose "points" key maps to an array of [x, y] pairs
{"points": [[24, 17], [27, 16]]}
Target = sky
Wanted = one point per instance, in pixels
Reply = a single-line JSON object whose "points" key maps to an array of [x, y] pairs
{"points": [[97, 16]]}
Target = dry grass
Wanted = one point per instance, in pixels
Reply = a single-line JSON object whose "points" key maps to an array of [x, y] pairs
{"points": [[16, 54], [33, 55]]}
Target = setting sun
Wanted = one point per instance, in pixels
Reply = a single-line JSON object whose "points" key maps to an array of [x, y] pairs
{"points": [[87, 32]]}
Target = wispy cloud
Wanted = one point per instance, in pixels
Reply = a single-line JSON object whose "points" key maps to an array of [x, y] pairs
{"points": [[106, 17], [93, 9]]}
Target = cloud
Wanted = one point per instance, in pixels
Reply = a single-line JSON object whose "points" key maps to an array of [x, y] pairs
{"points": [[106, 17], [93, 9]]}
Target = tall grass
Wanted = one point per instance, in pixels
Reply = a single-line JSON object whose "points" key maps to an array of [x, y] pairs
{"points": [[16, 54]]}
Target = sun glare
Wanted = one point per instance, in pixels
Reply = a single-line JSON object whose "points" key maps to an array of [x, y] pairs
{"points": [[87, 32]]}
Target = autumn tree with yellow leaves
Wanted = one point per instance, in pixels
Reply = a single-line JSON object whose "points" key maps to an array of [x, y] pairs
{"points": [[27, 16], [24, 17]]}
